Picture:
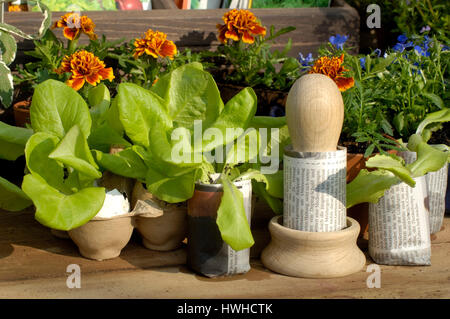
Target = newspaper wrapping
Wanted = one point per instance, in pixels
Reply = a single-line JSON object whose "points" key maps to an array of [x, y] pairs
{"points": [[315, 190], [399, 231], [208, 254], [436, 186]]}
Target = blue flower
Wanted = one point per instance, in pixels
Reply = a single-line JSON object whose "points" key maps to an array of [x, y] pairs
{"points": [[401, 46], [338, 41], [422, 51], [402, 38], [362, 62], [308, 61], [445, 47], [377, 52]]}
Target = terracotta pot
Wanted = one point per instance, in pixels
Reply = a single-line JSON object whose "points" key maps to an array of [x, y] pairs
{"points": [[103, 238], [163, 226], [360, 212], [313, 254], [22, 113]]}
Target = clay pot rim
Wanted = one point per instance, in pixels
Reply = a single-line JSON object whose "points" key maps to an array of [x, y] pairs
{"points": [[275, 226], [111, 218], [166, 211]]}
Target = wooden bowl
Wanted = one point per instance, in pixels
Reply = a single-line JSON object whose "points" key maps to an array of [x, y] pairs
{"points": [[313, 254]]}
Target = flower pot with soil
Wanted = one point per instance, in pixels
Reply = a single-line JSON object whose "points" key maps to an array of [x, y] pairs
{"points": [[104, 236], [163, 226], [208, 253]]}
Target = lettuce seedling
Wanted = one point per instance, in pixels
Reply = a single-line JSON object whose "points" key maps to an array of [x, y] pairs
{"points": [[62, 168]]}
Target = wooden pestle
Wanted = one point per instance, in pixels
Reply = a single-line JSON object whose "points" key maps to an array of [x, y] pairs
{"points": [[314, 114]]}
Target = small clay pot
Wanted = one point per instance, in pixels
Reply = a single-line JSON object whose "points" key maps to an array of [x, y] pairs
{"points": [[103, 238], [163, 226], [22, 113], [313, 254]]}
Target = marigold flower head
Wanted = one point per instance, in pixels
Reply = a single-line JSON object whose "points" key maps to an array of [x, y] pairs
{"points": [[240, 25], [155, 44], [85, 67], [333, 68], [74, 25]]}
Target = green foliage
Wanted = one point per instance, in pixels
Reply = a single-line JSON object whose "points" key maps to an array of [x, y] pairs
{"points": [[393, 92], [12, 198], [8, 50], [12, 141], [256, 65], [61, 165], [412, 16]]}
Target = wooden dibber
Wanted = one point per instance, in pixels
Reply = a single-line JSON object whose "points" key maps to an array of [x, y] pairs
{"points": [[314, 239], [314, 114]]}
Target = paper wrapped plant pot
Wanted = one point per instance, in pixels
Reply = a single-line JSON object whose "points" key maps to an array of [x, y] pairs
{"points": [[436, 186], [208, 254], [313, 254], [103, 238], [162, 226], [399, 231]]}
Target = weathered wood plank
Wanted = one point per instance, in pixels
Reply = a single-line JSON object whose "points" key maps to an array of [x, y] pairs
{"points": [[197, 28], [33, 265], [28, 250]]}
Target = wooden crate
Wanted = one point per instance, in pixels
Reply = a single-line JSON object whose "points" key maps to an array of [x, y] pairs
{"points": [[196, 29]]}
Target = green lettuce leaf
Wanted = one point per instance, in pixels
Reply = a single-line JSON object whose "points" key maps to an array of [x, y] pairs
{"points": [[369, 186], [60, 211], [56, 108], [125, 163], [12, 141], [12, 198], [231, 219], [74, 151], [393, 164]]}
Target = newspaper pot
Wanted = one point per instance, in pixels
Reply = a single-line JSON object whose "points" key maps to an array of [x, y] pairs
{"points": [[399, 230], [162, 226], [207, 253], [22, 113], [436, 187], [103, 238], [299, 253]]}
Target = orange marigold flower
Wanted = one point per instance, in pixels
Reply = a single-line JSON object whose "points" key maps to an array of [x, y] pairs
{"points": [[334, 69], [85, 67], [74, 25], [240, 24], [154, 43]]}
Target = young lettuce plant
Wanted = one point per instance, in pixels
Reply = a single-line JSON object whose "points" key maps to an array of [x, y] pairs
{"points": [[174, 117], [62, 168], [391, 170]]}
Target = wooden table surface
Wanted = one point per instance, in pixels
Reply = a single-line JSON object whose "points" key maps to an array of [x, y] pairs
{"points": [[33, 265]]}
